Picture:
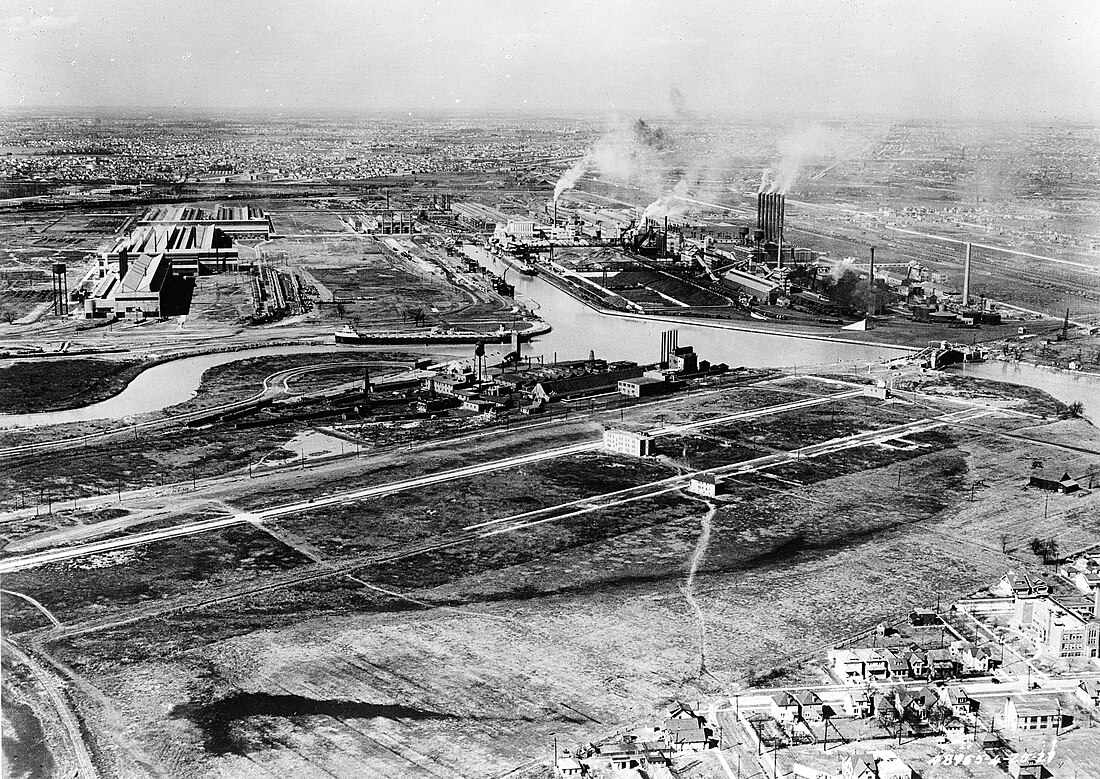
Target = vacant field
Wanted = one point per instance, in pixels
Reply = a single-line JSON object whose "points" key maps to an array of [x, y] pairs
{"points": [[55, 384], [467, 660]]}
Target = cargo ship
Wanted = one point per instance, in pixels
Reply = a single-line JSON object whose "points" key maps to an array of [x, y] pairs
{"points": [[349, 335]]}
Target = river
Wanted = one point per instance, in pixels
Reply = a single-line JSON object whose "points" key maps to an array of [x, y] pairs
{"points": [[577, 331], [161, 386]]}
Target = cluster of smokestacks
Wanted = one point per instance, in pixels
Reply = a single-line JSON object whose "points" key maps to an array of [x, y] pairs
{"points": [[670, 341], [770, 208]]}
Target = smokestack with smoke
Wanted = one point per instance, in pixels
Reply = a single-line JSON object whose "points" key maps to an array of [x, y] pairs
{"points": [[630, 153], [672, 204], [570, 178]]}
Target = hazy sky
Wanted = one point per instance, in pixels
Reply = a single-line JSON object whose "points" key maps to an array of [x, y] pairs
{"points": [[952, 58]]}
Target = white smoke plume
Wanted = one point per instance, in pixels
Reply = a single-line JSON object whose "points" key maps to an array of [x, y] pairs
{"points": [[633, 154], [570, 178], [815, 143], [671, 204]]}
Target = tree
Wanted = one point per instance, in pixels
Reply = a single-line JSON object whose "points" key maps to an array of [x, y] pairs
{"points": [[1047, 548], [1052, 550]]}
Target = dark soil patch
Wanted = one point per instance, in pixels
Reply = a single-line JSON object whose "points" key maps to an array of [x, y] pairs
{"points": [[216, 719]]}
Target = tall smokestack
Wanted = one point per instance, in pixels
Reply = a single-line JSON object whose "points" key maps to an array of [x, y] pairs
{"points": [[872, 300], [781, 207], [966, 277]]}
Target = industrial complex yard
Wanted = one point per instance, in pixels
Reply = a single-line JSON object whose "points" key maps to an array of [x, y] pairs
{"points": [[616, 443]]}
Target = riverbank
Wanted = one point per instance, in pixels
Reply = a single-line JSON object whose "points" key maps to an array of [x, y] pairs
{"points": [[910, 339]]}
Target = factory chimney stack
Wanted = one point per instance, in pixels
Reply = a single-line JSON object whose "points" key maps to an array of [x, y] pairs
{"points": [[966, 277], [872, 297]]}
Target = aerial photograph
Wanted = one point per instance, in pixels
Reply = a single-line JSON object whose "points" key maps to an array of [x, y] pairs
{"points": [[484, 389]]}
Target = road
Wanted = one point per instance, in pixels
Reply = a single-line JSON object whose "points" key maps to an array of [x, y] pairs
{"points": [[520, 521], [69, 722]]}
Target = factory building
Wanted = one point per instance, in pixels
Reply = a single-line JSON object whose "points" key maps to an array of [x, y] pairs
{"points": [[478, 216], [237, 222], [189, 249], [760, 288], [643, 386], [137, 292], [627, 442]]}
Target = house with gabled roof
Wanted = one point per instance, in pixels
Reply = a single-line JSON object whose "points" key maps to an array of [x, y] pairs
{"points": [[859, 703], [941, 664], [1020, 583], [1088, 692], [858, 766], [955, 698]]}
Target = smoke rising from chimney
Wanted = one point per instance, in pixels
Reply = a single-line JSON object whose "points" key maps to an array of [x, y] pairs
{"points": [[629, 153], [813, 143]]}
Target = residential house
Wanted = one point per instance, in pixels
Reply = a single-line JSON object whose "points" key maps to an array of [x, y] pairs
{"points": [[941, 664], [957, 731], [858, 766], [683, 711], [859, 703], [890, 766], [568, 767], [1018, 583], [955, 698], [923, 617], [811, 707], [1033, 712], [918, 664], [1023, 765], [861, 664], [973, 659], [915, 705], [688, 739], [621, 754], [804, 705], [897, 667], [1088, 692]]}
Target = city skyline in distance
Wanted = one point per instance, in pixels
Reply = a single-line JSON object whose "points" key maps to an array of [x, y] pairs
{"points": [[984, 61]]}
